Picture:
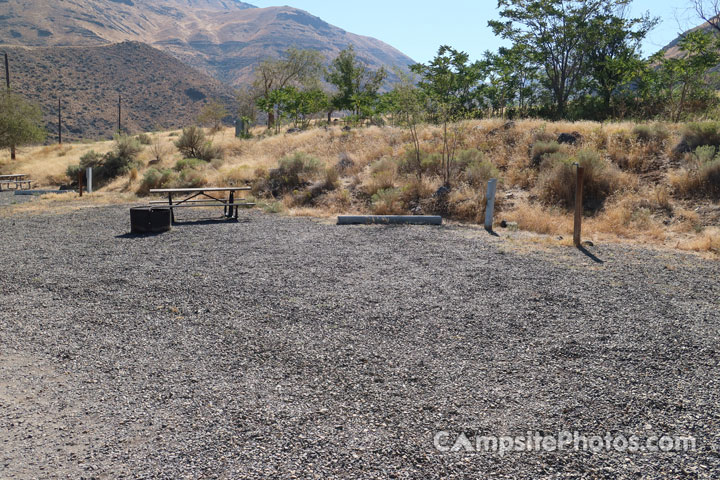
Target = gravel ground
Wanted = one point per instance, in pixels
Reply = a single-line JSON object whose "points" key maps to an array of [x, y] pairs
{"points": [[291, 348]]}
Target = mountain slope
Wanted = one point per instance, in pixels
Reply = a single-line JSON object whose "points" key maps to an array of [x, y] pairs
{"points": [[224, 38], [158, 90]]}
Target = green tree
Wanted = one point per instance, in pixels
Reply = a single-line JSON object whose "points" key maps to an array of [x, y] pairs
{"points": [[21, 122], [212, 115], [510, 80], [450, 85], [296, 68], [407, 105], [556, 34], [357, 85], [303, 105], [613, 52], [684, 78]]}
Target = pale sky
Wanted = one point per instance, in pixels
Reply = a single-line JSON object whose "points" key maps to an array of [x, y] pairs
{"points": [[419, 27]]}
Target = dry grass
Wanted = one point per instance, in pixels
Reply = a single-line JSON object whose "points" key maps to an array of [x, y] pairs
{"points": [[639, 191]]}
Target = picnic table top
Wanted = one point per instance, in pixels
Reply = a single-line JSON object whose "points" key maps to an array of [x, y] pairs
{"points": [[14, 175], [200, 190]]}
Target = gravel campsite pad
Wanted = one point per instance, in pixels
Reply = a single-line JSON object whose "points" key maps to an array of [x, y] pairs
{"points": [[280, 347]]}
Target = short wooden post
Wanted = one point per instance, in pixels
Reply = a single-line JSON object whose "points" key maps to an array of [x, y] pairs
{"points": [[490, 206], [80, 182], [577, 237]]}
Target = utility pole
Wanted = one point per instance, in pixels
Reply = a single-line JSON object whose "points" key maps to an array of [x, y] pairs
{"points": [[59, 122], [7, 82]]}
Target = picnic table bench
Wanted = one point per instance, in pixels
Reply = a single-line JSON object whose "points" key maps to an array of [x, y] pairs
{"points": [[201, 197], [17, 179]]}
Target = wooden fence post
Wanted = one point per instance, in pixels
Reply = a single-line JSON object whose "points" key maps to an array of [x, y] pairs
{"points": [[577, 237], [490, 207], [80, 182]]}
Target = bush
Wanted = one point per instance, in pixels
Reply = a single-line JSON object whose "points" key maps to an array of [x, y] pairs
{"points": [[542, 149], [191, 142], [479, 172], [144, 139], [293, 172], [703, 176], [388, 202], [189, 163], [155, 178], [701, 133], [190, 178], [556, 184], [120, 161], [651, 133]]}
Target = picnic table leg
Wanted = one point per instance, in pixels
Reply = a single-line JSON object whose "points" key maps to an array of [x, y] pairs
{"points": [[172, 210], [230, 202]]}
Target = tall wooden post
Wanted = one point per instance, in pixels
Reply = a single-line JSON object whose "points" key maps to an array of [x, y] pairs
{"points": [[59, 122], [490, 207], [80, 182], [577, 237], [7, 71], [7, 83]]}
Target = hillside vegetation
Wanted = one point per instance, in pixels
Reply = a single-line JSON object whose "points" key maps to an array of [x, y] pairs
{"points": [[159, 92], [648, 182]]}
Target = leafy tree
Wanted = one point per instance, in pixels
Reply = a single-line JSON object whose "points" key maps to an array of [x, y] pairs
{"points": [[295, 68], [511, 81], [556, 34], [212, 115], [303, 105], [407, 104], [449, 83], [613, 52], [684, 78], [21, 122], [357, 85]]}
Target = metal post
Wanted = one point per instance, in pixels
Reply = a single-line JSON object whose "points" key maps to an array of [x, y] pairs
{"points": [[577, 237], [490, 208], [89, 179]]}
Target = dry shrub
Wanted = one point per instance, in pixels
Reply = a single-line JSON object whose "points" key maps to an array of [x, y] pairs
{"points": [[388, 202], [467, 203], [701, 178], [556, 185], [709, 241], [540, 150], [701, 133], [535, 218], [157, 178]]}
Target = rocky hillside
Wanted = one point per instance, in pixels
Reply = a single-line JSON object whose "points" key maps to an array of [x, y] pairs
{"points": [[158, 91], [223, 38]]}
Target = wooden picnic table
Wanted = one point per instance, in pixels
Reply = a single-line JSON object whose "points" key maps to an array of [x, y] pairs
{"points": [[17, 179], [189, 198]]}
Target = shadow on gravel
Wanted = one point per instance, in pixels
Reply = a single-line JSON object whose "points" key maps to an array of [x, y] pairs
{"points": [[589, 254], [138, 235], [209, 221]]}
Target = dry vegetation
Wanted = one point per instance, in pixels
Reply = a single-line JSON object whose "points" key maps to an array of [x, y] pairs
{"points": [[648, 183]]}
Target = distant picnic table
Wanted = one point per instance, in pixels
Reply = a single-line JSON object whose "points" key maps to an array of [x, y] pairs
{"points": [[17, 179], [202, 197]]}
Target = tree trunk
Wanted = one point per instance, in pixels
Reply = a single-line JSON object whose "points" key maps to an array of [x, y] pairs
{"points": [[12, 152]]}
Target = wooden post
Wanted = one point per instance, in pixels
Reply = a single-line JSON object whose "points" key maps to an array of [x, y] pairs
{"points": [[119, 114], [490, 207], [7, 71], [59, 122], [80, 182], [577, 237]]}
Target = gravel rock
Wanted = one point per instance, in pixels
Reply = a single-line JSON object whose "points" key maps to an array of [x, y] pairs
{"points": [[290, 348]]}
